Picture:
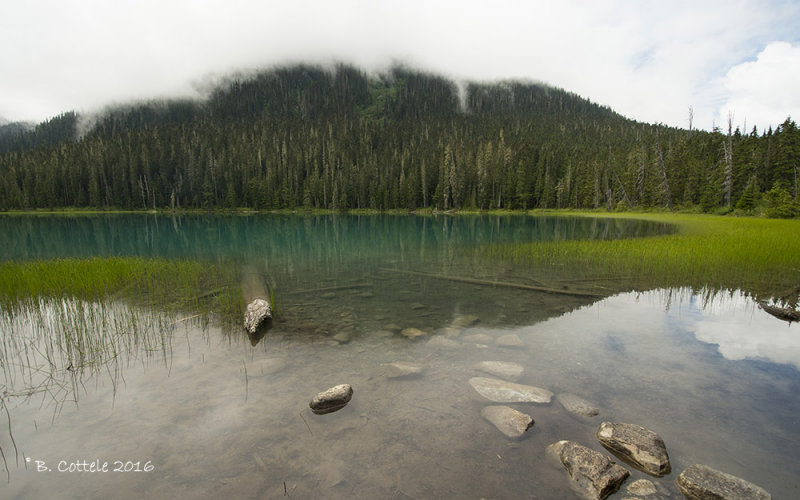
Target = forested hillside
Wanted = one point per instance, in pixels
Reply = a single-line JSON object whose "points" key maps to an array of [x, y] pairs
{"points": [[306, 136]]}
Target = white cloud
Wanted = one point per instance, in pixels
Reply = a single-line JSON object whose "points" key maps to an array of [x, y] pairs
{"points": [[764, 91], [648, 60]]}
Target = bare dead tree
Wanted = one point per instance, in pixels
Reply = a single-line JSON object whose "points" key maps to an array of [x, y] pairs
{"points": [[663, 170], [622, 188], [727, 182]]}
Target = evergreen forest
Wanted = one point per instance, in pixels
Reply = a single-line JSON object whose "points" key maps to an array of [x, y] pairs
{"points": [[313, 137]]}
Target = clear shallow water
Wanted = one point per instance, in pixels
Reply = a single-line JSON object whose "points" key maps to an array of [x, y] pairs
{"points": [[716, 377]]}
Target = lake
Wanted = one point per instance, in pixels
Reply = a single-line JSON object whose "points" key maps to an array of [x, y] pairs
{"points": [[184, 403]]}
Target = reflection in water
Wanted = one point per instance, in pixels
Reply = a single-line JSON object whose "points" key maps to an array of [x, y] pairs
{"points": [[741, 330], [223, 417], [219, 414], [319, 239]]}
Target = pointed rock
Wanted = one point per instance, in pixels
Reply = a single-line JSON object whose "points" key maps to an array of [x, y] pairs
{"points": [[509, 421], [592, 473], [256, 313], [503, 369], [500, 391], [699, 482], [637, 446], [577, 405]]}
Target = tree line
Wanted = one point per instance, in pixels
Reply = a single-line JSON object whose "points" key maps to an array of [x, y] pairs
{"points": [[337, 138]]}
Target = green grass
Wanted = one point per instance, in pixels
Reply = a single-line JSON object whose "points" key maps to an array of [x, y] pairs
{"points": [[158, 282], [758, 256]]}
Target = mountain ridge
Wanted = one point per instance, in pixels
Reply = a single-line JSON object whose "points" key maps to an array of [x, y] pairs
{"points": [[316, 137]]}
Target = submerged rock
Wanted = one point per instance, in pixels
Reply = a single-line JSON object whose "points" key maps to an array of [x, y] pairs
{"points": [[464, 321], [342, 337], [501, 391], [642, 488], [510, 340], [577, 405], [699, 482], [509, 421], [402, 369], [442, 342], [637, 446], [478, 338], [503, 369], [591, 472], [391, 327], [256, 313], [331, 400], [450, 332], [412, 333]]}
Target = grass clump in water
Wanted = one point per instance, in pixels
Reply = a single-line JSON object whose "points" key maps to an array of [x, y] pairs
{"points": [[153, 282], [757, 256]]}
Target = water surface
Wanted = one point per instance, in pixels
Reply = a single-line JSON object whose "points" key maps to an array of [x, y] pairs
{"points": [[217, 413]]}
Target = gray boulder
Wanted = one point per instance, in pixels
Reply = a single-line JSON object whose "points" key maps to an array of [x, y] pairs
{"points": [[637, 446], [509, 421], [699, 482], [592, 473], [331, 400], [500, 391]]}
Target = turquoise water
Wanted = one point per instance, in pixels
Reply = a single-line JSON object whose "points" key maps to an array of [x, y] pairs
{"points": [[198, 409]]}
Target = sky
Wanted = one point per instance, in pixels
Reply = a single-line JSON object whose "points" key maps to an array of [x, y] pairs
{"points": [[648, 60]]}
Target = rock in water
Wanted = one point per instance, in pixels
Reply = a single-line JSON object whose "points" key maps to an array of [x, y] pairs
{"points": [[509, 340], [464, 321], [412, 333], [479, 338], [503, 369], [577, 405], [256, 313], [592, 472], [642, 488], [402, 369], [331, 400], [500, 391], [442, 342], [637, 446], [509, 421], [699, 482]]}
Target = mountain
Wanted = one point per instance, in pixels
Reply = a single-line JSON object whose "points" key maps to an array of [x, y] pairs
{"points": [[314, 137]]}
